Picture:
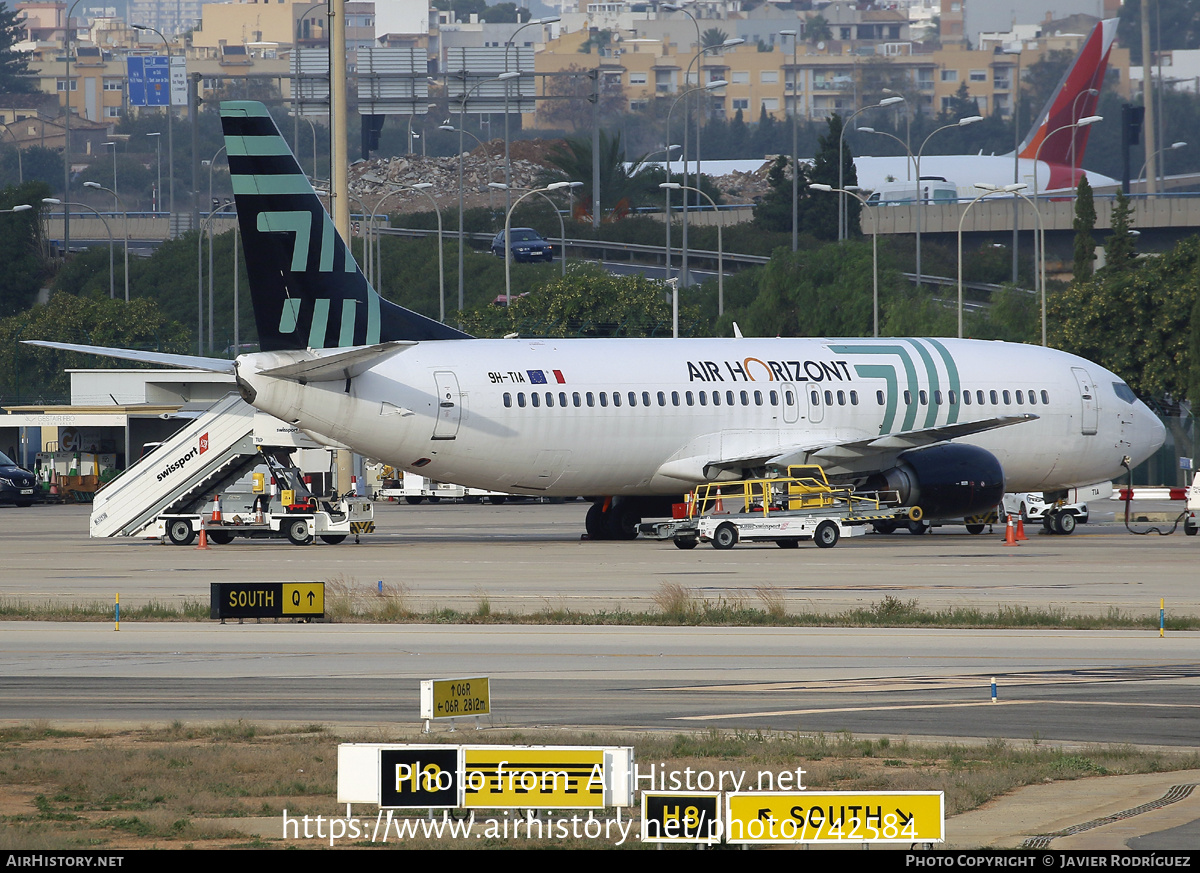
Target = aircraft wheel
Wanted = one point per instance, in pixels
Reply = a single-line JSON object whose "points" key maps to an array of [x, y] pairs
{"points": [[180, 532], [297, 532], [686, 543], [725, 537], [975, 528], [333, 539], [1065, 523], [916, 528], [788, 544], [827, 535], [622, 522], [220, 537], [594, 523]]}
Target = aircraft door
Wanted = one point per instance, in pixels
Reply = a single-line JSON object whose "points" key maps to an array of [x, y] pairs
{"points": [[1089, 419], [791, 403], [449, 406], [812, 396]]}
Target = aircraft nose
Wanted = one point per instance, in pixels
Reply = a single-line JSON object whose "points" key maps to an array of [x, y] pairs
{"points": [[1149, 434]]}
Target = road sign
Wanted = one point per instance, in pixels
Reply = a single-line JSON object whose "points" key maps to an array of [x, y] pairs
{"points": [[533, 777], [266, 600], [156, 80], [419, 776], [672, 817], [835, 817], [455, 698]]}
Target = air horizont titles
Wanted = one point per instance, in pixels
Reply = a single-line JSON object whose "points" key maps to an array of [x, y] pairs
{"points": [[757, 370]]}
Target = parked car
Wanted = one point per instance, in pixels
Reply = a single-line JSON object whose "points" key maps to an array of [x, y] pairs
{"points": [[527, 245], [17, 485]]}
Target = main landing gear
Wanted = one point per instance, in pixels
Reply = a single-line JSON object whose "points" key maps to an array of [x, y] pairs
{"points": [[612, 520]]}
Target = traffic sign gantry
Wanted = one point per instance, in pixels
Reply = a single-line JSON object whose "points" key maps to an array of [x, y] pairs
{"points": [[835, 817]]}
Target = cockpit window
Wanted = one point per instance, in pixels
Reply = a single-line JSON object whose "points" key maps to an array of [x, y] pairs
{"points": [[1124, 392]]}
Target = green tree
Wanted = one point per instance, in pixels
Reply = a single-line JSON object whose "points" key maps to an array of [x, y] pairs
{"points": [[587, 302], [817, 29], [14, 65], [819, 213], [774, 211], [713, 37], [1085, 222], [824, 292], [21, 247], [1120, 249], [30, 371]]}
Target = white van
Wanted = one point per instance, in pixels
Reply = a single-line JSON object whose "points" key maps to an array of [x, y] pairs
{"points": [[902, 193]]}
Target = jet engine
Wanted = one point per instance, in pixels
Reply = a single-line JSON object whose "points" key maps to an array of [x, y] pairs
{"points": [[946, 481]]}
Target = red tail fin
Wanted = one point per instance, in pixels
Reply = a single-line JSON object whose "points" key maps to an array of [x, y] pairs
{"points": [[1071, 101]]}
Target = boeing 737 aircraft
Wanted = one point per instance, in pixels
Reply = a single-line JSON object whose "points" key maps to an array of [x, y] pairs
{"points": [[636, 423], [1052, 151]]}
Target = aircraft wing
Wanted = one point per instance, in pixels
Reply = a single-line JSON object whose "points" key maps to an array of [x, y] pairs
{"points": [[891, 444], [162, 359], [729, 455]]}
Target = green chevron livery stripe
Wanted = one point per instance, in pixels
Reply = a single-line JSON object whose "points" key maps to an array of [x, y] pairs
{"points": [[290, 184]]}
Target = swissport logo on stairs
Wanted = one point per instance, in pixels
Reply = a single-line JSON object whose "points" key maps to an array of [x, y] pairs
{"points": [[178, 464]]}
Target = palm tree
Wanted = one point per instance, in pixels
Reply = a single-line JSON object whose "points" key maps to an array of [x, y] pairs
{"points": [[713, 37], [621, 189]]}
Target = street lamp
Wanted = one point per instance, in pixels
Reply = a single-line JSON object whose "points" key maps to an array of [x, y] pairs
{"points": [[962, 122], [711, 86], [855, 191], [795, 158], [158, 160], [985, 191], [729, 43], [553, 186], [843, 229], [908, 162], [170, 131], [211, 163], [125, 220], [562, 227], [207, 227], [672, 186], [1086, 92], [67, 129], [377, 270], [533, 22], [54, 201], [1175, 146], [462, 111]]}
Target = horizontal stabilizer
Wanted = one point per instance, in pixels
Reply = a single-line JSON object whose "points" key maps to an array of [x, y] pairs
{"points": [[342, 364], [162, 359]]}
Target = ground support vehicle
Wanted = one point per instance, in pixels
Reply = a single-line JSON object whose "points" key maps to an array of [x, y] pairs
{"points": [[169, 493], [786, 510]]}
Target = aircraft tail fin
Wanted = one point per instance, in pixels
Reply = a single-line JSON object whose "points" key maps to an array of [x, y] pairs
{"points": [[307, 289], [1071, 101]]}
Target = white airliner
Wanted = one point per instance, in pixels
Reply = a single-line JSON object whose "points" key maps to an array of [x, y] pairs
{"points": [[1051, 155], [635, 423]]}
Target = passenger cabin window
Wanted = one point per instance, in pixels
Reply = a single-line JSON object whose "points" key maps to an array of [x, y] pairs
{"points": [[1007, 398], [604, 398], [815, 397], [688, 395], [879, 398], [674, 398], [854, 398], [967, 398], [829, 398], [716, 398], [521, 399], [576, 399], [995, 398], [616, 398], [662, 399], [1046, 397], [507, 399], [549, 399], [591, 399], [758, 398], [536, 398]]}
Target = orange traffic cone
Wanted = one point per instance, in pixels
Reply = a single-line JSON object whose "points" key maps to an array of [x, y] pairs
{"points": [[203, 538], [53, 483], [216, 513], [1021, 528], [720, 507], [1010, 538]]}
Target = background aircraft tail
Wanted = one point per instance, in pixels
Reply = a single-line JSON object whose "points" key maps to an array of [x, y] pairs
{"points": [[308, 292], [1071, 102]]}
